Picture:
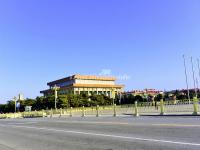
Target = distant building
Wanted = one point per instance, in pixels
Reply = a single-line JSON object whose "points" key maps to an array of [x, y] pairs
{"points": [[183, 90], [151, 92], [88, 84]]}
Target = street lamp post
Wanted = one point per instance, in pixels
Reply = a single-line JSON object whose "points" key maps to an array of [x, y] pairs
{"points": [[56, 88], [120, 97], [15, 100], [113, 96]]}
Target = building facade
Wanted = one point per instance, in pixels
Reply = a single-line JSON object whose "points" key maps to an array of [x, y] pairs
{"points": [[144, 92], [78, 84]]}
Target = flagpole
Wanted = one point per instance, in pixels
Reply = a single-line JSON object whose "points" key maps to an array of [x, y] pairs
{"points": [[197, 83], [199, 70], [193, 76], [186, 79]]}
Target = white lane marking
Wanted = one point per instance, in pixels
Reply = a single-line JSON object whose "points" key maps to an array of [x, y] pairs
{"points": [[126, 123], [92, 122], [178, 125], [109, 123], [105, 135], [21, 123]]}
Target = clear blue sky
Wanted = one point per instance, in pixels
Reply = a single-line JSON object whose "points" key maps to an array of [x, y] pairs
{"points": [[43, 40]]}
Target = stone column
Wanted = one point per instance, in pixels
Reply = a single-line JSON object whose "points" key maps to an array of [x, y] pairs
{"points": [[79, 92], [88, 91]]}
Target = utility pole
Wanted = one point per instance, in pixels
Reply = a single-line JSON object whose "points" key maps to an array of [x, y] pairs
{"points": [[186, 79], [193, 77]]}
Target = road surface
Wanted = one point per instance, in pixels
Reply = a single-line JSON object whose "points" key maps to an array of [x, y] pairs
{"points": [[102, 133]]}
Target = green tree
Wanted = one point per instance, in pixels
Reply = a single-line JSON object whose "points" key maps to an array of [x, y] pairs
{"points": [[2, 108], [74, 100], [139, 98], [10, 106], [158, 97], [40, 103], [62, 101]]}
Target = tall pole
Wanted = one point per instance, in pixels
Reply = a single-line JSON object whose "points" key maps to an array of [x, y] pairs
{"points": [[198, 69], [193, 77], [56, 95], [120, 97], [198, 66], [197, 83], [15, 99], [56, 88], [113, 96], [186, 79]]}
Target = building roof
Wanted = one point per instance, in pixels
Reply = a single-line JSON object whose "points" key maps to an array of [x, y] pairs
{"points": [[86, 86], [84, 77], [98, 85], [145, 91]]}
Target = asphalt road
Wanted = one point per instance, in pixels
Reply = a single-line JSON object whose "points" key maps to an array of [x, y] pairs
{"points": [[103, 133]]}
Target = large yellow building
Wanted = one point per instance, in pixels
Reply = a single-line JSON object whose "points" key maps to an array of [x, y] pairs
{"points": [[78, 84]]}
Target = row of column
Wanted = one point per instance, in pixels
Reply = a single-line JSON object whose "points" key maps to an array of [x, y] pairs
{"points": [[110, 93]]}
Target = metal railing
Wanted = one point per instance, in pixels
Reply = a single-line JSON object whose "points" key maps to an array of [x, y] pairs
{"points": [[139, 108]]}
